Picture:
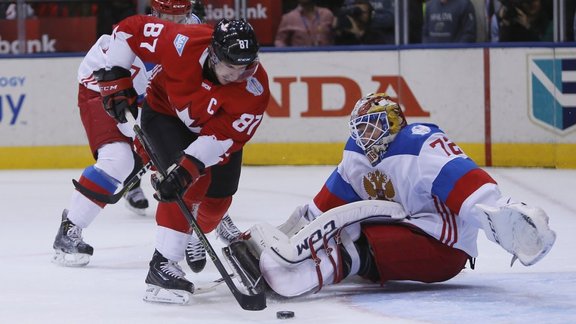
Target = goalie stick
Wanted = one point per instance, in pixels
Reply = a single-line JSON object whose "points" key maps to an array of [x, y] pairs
{"points": [[209, 287], [113, 198], [247, 302]]}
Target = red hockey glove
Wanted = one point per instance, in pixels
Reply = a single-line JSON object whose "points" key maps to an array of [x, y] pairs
{"points": [[117, 92], [179, 178]]}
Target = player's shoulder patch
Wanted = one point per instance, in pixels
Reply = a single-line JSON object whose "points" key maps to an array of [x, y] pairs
{"points": [[410, 139], [254, 86], [420, 129], [180, 42]]}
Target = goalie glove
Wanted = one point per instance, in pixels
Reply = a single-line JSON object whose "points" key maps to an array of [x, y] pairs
{"points": [[521, 230], [179, 177], [118, 93]]}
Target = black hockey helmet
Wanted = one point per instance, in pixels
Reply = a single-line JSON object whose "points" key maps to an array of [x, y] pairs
{"points": [[234, 42]]}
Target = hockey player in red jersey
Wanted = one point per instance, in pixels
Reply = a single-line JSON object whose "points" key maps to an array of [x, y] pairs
{"points": [[405, 203], [109, 142], [201, 107]]}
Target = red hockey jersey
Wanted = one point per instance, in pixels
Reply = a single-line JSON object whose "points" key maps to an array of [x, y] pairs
{"points": [[232, 111]]}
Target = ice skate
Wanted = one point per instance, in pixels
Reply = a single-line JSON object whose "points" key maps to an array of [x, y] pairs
{"points": [[166, 282], [227, 231], [136, 201], [70, 249], [246, 266], [195, 254]]}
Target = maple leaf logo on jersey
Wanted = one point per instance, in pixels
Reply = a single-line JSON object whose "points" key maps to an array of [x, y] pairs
{"points": [[378, 186]]}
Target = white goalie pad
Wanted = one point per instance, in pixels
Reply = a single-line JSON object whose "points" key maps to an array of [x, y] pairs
{"points": [[300, 217], [348, 217], [521, 230]]}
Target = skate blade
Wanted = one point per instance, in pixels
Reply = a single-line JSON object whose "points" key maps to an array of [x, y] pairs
{"points": [[155, 294], [137, 211], [70, 259]]}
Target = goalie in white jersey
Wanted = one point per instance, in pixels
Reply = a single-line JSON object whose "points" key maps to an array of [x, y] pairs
{"points": [[405, 203]]}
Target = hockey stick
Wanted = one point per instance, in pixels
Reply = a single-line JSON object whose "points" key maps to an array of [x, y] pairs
{"points": [[247, 302], [114, 198], [211, 286]]}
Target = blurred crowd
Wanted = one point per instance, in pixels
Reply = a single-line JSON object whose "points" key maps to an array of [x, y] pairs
{"points": [[355, 22], [107, 12], [348, 22]]}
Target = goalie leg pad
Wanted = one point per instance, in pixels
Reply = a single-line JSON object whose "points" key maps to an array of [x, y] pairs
{"points": [[298, 247], [300, 217], [521, 230], [326, 266]]}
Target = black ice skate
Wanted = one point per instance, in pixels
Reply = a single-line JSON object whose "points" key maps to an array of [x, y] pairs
{"points": [[227, 231], [136, 201], [70, 249], [246, 266], [195, 254], [166, 282]]}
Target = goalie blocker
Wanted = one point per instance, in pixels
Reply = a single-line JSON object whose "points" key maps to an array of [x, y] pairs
{"points": [[370, 239]]}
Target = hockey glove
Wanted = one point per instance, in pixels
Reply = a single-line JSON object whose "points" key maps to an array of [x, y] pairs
{"points": [[179, 178], [118, 93]]}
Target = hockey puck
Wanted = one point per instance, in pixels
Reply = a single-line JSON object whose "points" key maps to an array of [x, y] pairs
{"points": [[284, 314]]}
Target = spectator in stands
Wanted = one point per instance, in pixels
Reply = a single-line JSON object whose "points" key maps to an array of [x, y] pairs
{"points": [[569, 11], [415, 21], [382, 19], [306, 25], [492, 8], [10, 11], [449, 21], [3, 10], [525, 21], [353, 25], [113, 11], [63, 9]]}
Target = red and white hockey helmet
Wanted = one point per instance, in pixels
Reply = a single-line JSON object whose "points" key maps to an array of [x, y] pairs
{"points": [[176, 11], [374, 123]]}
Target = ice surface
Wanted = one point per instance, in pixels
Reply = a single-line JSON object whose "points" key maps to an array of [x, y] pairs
{"points": [[110, 288]]}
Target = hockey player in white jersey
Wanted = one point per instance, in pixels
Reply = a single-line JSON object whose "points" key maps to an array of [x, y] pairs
{"points": [[405, 203], [110, 143]]}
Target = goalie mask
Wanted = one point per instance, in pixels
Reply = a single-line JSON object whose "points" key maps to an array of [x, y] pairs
{"points": [[177, 11], [374, 123], [234, 51]]}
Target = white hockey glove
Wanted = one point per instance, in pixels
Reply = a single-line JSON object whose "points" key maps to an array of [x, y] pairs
{"points": [[521, 230]]}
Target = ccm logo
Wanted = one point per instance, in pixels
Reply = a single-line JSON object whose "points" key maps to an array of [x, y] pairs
{"points": [[109, 88]]}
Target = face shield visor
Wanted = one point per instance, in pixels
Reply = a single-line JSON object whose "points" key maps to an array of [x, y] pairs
{"points": [[178, 19], [370, 130]]}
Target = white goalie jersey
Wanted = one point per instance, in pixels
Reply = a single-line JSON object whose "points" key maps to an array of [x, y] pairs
{"points": [[429, 175]]}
